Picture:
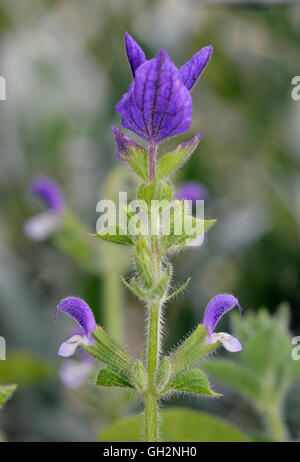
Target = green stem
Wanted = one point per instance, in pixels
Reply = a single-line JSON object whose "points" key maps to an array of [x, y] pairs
{"points": [[275, 423], [151, 411]]}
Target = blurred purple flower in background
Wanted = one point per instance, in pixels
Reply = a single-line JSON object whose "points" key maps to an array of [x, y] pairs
{"points": [[79, 310], [158, 104], [41, 226], [214, 311], [192, 190]]}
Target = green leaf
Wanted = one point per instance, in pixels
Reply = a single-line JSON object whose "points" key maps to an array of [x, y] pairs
{"points": [[170, 162], [140, 375], [163, 373], [109, 378], [176, 424], [139, 162], [5, 393], [179, 229], [192, 381], [179, 290], [191, 350], [235, 375], [24, 368], [116, 235], [156, 191], [109, 352]]}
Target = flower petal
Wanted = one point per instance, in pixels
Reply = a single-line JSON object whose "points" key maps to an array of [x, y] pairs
{"points": [[80, 311], [216, 308], [231, 344], [74, 374], [68, 348], [49, 192], [125, 146], [41, 226], [157, 105], [135, 54], [192, 190], [191, 71]]}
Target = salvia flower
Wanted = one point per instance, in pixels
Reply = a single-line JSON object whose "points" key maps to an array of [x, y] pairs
{"points": [[79, 310], [42, 225], [192, 190], [158, 103], [214, 311]]}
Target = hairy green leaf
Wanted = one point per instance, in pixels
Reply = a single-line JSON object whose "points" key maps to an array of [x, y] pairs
{"points": [[109, 378], [170, 162], [115, 235], [192, 381]]}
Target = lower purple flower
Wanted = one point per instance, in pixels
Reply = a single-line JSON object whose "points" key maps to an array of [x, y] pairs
{"points": [[214, 311], [79, 310]]}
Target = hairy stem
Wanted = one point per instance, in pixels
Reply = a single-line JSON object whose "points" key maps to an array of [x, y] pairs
{"points": [[152, 160]]}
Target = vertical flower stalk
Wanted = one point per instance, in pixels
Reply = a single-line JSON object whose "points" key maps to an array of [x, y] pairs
{"points": [[157, 106]]}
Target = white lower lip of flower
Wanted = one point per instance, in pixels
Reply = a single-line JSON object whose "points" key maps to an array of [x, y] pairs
{"points": [[229, 342], [68, 348]]}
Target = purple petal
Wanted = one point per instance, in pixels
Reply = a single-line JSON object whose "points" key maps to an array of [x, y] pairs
{"points": [[192, 190], [135, 54], [191, 71], [125, 146], [49, 192], [80, 311], [157, 104], [216, 308]]}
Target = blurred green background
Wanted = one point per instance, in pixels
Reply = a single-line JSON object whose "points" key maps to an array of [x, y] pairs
{"points": [[65, 69]]}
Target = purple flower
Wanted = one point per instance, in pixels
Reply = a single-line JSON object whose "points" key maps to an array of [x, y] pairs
{"points": [[44, 224], [216, 308], [49, 192], [82, 313], [158, 104], [192, 190]]}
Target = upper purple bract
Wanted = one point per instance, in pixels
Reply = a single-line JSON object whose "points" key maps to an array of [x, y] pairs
{"points": [[135, 54], [49, 192], [80, 311], [216, 308], [192, 190], [158, 104], [191, 71]]}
